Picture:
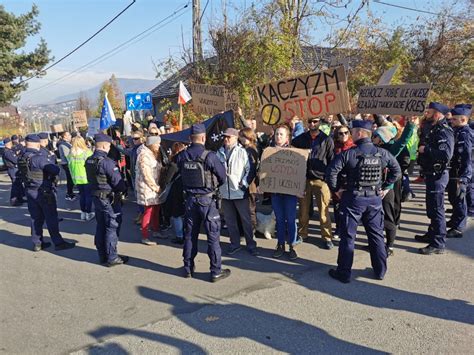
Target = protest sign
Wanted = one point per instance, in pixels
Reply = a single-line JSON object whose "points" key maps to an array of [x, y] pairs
{"points": [[208, 99], [387, 76], [306, 96], [283, 170], [231, 100], [57, 128], [408, 99], [94, 127], [79, 118]]}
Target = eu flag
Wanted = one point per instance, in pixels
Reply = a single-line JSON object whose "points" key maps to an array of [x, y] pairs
{"points": [[107, 116]]}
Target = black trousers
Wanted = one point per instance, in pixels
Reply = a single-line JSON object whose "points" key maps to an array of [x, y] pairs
{"points": [[389, 218], [69, 182]]}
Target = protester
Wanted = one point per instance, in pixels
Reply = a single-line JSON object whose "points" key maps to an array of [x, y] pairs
{"points": [[147, 187], [321, 153], [64, 147], [235, 192], [76, 163], [248, 139], [284, 207]]}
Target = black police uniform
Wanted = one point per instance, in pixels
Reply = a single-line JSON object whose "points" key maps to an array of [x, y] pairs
{"points": [[38, 175], [435, 160], [200, 182], [106, 186], [11, 161], [361, 201]]}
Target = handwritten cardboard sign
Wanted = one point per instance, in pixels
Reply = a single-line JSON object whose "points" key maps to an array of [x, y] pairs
{"points": [[57, 128], [79, 118], [306, 96], [213, 99], [231, 100], [408, 99], [283, 170]]}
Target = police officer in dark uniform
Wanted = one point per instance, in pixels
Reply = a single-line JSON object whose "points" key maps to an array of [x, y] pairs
{"points": [[202, 173], [362, 199], [460, 173], [44, 142], [436, 155], [11, 161], [38, 175], [17, 147], [107, 186]]}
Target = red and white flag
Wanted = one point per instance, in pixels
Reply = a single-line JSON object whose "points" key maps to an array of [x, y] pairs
{"points": [[184, 95]]}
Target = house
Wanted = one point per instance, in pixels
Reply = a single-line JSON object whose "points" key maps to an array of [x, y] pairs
{"points": [[10, 118], [312, 59]]}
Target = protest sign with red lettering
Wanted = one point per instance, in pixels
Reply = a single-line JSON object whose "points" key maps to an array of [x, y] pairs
{"points": [[283, 170], [306, 96], [407, 100]]}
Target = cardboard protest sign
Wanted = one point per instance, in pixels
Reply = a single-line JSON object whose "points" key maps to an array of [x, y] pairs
{"points": [[231, 100], [306, 96], [79, 118], [387, 76], [208, 99], [408, 99], [283, 170], [57, 128]]}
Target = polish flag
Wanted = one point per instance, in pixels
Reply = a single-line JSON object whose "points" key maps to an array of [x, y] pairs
{"points": [[184, 95]]}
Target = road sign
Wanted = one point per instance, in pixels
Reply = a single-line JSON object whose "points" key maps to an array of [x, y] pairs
{"points": [[138, 101]]}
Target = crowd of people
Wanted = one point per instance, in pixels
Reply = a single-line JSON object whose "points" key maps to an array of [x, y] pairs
{"points": [[361, 167]]}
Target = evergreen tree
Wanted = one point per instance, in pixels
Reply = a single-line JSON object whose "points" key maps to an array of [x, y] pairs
{"points": [[16, 65]]}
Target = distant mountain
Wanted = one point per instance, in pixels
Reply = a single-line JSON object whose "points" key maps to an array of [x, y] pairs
{"points": [[126, 85]]}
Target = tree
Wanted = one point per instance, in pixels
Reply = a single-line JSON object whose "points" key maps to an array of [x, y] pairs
{"points": [[113, 94], [16, 65], [84, 104]]}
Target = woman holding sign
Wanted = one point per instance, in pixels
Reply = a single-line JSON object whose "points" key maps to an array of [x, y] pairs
{"points": [[284, 206]]}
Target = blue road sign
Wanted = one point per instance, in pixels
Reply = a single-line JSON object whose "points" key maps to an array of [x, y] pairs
{"points": [[138, 101]]}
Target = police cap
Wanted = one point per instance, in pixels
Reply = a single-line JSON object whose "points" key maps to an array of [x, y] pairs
{"points": [[198, 128], [33, 138], [439, 107], [100, 137], [43, 135], [462, 110], [6, 140], [362, 124], [14, 137]]}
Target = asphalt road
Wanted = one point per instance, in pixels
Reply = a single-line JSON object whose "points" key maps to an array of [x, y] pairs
{"points": [[61, 302]]}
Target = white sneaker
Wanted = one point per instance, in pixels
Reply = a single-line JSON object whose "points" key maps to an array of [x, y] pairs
{"points": [[83, 216], [90, 216]]}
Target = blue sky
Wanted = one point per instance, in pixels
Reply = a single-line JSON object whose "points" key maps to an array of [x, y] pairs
{"points": [[66, 23]]}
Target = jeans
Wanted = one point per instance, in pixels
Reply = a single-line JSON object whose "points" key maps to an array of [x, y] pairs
{"points": [[85, 195], [178, 226], [284, 207]]}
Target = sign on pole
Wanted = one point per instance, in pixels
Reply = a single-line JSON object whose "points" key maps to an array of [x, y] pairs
{"points": [[57, 128], [138, 101], [387, 75], [408, 99], [283, 170], [306, 96], [79, 118]]}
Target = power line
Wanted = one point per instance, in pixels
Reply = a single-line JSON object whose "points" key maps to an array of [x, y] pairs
{"points": [[165, 21], [405, 8], [82, 44]]}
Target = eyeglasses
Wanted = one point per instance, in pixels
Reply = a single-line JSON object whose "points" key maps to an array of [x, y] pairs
{"points": [[136, 138], [154, 134], [313, 121], [343, 133]]}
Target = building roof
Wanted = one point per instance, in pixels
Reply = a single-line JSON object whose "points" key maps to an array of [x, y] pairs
{"points": [[312, 58]]}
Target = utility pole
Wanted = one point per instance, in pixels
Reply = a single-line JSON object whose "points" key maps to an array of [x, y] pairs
{"points": [[197, 41]]}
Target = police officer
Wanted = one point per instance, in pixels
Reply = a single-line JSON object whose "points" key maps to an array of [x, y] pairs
{"points": [[460, 173], [362, 199], [436, 154], [202, 173], [107, 186], [38, 175], [11, 161], [44, 142], [17, 147]]}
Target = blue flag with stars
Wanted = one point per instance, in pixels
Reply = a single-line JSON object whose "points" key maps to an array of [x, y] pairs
{"points": [[107, 116]]}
